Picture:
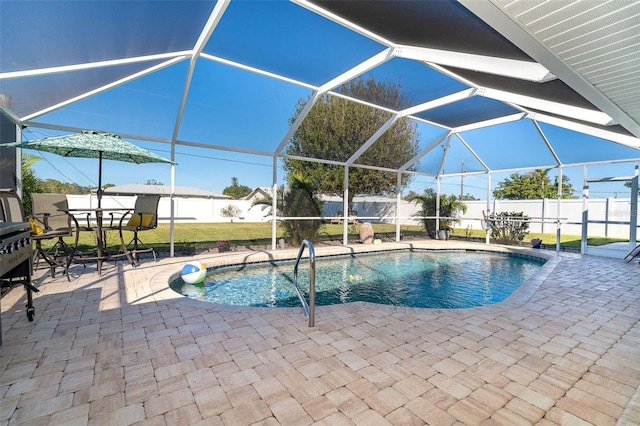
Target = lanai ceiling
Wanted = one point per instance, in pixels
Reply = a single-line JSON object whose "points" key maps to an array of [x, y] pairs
{"points": [[494, 85]]}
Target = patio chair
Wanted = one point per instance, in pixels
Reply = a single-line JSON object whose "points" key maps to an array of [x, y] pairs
{"points": [[51, 220], [632, 254], [144, 217]]}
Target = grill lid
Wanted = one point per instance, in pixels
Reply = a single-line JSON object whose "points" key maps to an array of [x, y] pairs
{"points": [[8, 228]]}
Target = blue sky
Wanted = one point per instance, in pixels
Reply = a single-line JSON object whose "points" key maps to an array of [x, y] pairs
{"points": [[237, 108], [212, 170]]}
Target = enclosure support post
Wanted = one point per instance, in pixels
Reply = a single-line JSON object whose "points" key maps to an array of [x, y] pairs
{"points": [[345, 207], [398, 199], [437, 204], [543, 215], [487, 235], [172, 224], [633, 225], [558, 209], [274, 204], [585, 210], [607, 206]]}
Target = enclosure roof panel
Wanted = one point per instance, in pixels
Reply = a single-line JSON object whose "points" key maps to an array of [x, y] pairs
{"points": [[231, 75]]}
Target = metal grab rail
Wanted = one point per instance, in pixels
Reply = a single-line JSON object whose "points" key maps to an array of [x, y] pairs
{"points": [[309, 308]]}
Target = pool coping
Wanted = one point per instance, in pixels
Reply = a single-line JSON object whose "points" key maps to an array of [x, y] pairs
{"points": [[157, 288]]}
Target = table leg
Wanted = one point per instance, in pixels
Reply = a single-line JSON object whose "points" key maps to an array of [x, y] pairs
{"points": [[99, 241]]}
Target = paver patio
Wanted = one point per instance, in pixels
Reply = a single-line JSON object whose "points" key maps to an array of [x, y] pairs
{"points": [[122, 349]]}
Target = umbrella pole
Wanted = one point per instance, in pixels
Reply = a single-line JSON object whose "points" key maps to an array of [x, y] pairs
{"points": [[99, 192]]}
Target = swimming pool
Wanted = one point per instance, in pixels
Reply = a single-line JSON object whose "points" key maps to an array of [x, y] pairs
{"points": [[412, 278]]}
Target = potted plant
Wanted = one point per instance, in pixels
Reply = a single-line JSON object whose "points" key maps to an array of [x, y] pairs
{"points": [[444, 230], [450, 208]]}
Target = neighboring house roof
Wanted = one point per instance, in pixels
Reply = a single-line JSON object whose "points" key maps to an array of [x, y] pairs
{"points": [[358, 199], [259, 192], [162, 190]]}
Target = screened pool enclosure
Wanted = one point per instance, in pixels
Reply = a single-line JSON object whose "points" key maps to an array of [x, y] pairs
{"points": [[490, 87]]}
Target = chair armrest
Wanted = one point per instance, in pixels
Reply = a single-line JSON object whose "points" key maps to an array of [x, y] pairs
{"points": [[45, 220], [123, 217], [40, 219], [73, 219], [116, 218]]}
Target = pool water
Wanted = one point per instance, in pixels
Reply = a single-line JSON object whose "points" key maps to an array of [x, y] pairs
{"points": [[419, 278]]}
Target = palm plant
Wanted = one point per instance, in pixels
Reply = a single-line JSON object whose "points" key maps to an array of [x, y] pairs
{"points": [[298, 200], [301, 201], [450, 208], [30, 182]]}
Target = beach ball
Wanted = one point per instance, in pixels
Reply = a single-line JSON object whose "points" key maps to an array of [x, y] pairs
{"points": [[193, 272]]}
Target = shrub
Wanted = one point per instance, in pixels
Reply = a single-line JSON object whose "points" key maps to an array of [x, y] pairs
{"points": [[230, 211], [223, 246], [509, 226]]}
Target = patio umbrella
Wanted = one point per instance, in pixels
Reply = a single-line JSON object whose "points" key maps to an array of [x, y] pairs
{"points": [[93, 144]]}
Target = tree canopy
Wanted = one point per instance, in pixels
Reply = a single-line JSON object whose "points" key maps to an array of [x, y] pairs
{"points": [[236, 191], [336, 128], [33, 184], [532, 186], [56, 187]]}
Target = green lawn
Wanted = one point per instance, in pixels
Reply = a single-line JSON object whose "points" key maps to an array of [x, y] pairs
{"points": [[190, 237], [197, 237], [571, 242]]}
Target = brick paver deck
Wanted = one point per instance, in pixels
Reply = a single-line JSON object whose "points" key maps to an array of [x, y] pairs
{"points": [[122, 349]]}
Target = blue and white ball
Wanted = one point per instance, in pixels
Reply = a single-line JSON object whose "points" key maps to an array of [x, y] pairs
{"points": [[193, 272]]}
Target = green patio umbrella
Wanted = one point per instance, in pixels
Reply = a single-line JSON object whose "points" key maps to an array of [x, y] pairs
{"points": [[93, 144]]}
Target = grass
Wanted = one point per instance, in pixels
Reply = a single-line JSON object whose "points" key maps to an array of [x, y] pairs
{"points": [[567, 242], [197, 237]]}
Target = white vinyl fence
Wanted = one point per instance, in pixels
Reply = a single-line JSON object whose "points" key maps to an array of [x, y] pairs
{"points": [[543, 213]]}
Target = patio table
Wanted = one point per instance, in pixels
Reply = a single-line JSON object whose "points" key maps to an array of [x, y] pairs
{"points": [[102, 255]]}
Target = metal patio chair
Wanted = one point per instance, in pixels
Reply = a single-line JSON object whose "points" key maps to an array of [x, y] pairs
{"points": [[51, 220], [143, 217]]}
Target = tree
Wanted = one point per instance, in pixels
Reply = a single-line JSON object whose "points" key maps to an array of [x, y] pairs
{"points": [[236, 191], [230, 211], [532, 186], [336, 128], [56, 187], [153, 182], [410, 195]]}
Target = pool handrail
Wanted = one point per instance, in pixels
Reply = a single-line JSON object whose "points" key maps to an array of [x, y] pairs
{"points": [[309, 308]]}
